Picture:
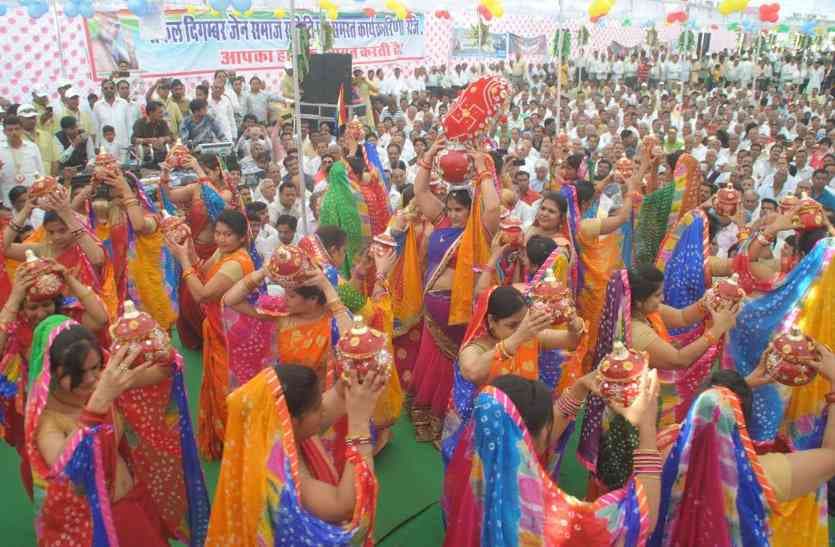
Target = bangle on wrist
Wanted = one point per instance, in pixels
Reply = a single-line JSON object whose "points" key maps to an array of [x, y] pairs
{"points": [[358, 441], [710, 337], [646, 461], [188, 273], [568, 406]]}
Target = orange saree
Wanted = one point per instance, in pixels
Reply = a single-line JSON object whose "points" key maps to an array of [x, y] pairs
{"points": [[215, 386]]}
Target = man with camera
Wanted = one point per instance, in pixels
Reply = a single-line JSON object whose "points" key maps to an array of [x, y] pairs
{"points": [[75, 147]]}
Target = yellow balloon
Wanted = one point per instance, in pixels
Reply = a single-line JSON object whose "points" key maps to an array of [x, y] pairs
{"points": [[248, 13], [498, 12], [191, 10], [401, 12], [280, 13], [726, 7], [332, 13], [599, 8], [392, 5], [214, 13]]}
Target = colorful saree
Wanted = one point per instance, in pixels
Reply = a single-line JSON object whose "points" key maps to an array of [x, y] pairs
{"points": [[258, 500], [662, 208], [340, 207], [805, 297], [683, 260], [378, 315], [496, 492], [523, 363], [151, 429], [439, 343], [714, 490], [215, 385], [406, 283]]}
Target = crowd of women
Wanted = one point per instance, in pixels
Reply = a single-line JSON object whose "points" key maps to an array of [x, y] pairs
{"points": [[310, 356]]}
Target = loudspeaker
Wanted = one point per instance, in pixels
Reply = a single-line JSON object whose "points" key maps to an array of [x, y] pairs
{"points": [[327, 72]]}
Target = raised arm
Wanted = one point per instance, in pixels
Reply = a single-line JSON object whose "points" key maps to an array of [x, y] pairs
{"points": [[430, 206], [490, 203], [60, 203], [664, 355]]}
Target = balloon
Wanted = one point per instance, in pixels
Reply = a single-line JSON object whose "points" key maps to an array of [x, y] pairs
{"points": [[369, 12], [280, 13], [770, 13], [36, 10], [2, 10], [442, 14], [85, 9], [241, 5], [484, 12], [733, 26], [748, 26], [70, 9], [219, 5], [726, 7], [137, 7], [600, 8], [782, 27], [677, 17], [808, 28]]}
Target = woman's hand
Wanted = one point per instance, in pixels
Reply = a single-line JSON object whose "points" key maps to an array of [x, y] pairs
{"points": [[385, 264], [826, 363], [437, 146], [316, 278], [179, 250], [724, 317], [590, 383], [497, 248], [117, 377], [759, 376], [534, 322], [361, 397], [58, 200], [115, 178], [643, 412], [24, 278]]}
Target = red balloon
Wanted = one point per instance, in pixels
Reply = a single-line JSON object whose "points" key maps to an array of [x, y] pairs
{"points": [[369, 12], [678, 16], [442, 14], [770, 13], [484, 12]]}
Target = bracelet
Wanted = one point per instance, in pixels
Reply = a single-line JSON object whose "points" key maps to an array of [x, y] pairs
{"points": [[78, 232], [568, 406], [337, 308], [702, 307], [129, 202], [583, 327], [710, 338], [422, 163], [358, 441], [188, 273], [17, 227], [503, 352], [646, 462]]}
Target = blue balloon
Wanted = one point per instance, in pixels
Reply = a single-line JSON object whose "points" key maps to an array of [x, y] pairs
{"points": [[2, 10], [85, 9], [241, 5], [808, 28], [138, 7], [70, 9], [219, 5], [36, 10]]}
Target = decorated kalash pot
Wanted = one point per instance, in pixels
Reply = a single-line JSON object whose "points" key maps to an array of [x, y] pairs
{"points": [[787, 358], [726, 291], [289, 267], [139, 328], [105, 162], [808, 215], [48, 285], [727, 200], [178, 156], [41, 188], [624, 168], [552, 296], [454, 164], [363, 350], [176, 226], [383, 245], [787, 203], [512, 232], [356, 130], [620, 374]]}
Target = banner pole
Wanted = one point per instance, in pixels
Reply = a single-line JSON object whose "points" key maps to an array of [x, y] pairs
{"points": [[60, 38], [297, 115], [559, 68]]}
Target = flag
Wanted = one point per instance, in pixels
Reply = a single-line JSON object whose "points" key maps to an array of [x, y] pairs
{"points": [[341, 108]]}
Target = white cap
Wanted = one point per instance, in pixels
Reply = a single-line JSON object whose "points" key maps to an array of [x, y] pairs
{"points": [[64, 83], [39, 92], [26, 111], [72, 92], [288, 65]]}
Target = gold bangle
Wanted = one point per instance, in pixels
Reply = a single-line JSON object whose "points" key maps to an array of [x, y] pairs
{"points": [[130, 201], [188, 273], [710, 338]]}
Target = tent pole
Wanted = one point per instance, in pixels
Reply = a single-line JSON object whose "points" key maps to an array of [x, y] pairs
{"points": [[297, 115], [559, 67], [60, 38]]}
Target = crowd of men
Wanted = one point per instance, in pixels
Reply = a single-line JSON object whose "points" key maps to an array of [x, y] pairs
{"points": [[763, 123]]}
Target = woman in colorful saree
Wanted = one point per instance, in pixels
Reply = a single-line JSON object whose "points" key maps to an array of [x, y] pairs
{"points": [[305, 325], [202, 204], [464, 226], [505, 336], [278, 484], [110, 444], [136, 247], [717, 489], [20, 315], [67, 240], [208, 281], [497, 489]]}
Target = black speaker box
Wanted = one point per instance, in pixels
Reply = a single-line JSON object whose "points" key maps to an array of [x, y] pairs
{"points": [[327, 72]]}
